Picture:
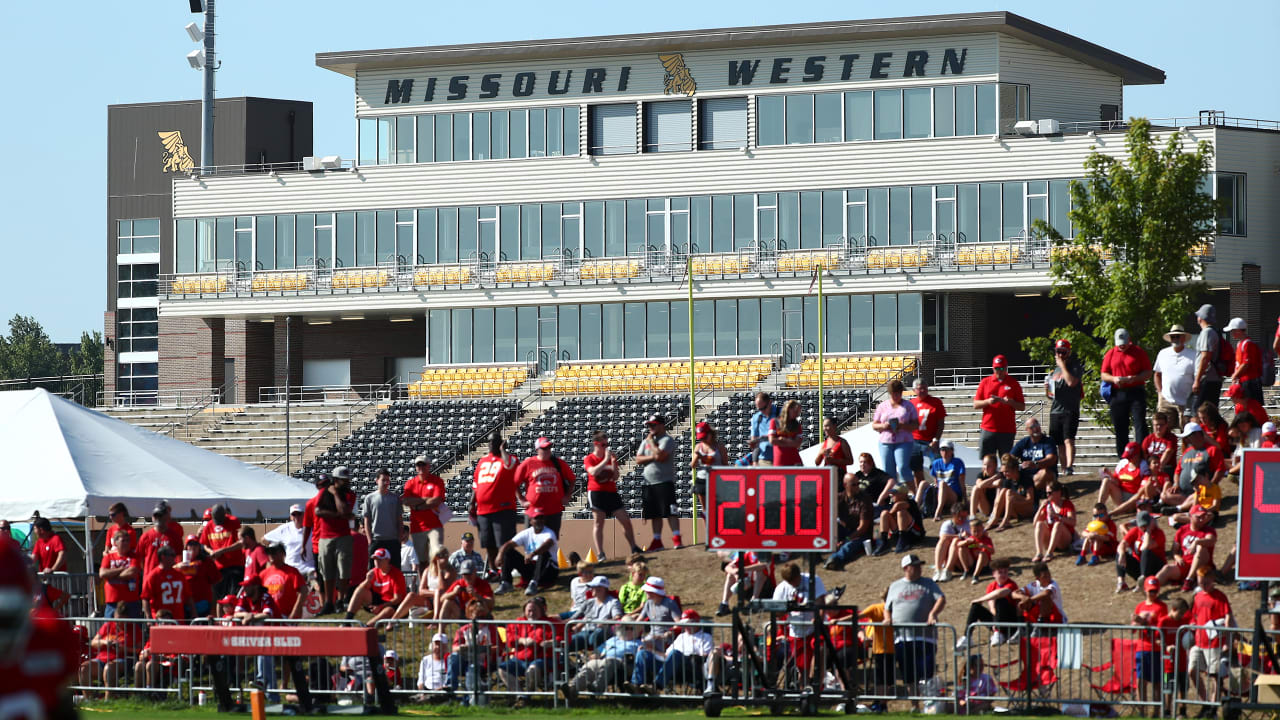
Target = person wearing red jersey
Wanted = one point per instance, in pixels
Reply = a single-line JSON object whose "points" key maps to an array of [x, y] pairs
{"points": [[1100, 537], [533, 639], [309, 535], [48, 551], [545, 480], [932, 414], [1149, 613], [121, 521], [1160, 448], [972, 551], [1055, 524], [1209, 607], [254, 604], [121, 575], [391, 669], [834, 451], [468, 587], [1270, 436], [165, 588], [423, 494], [1000, 399], [1248, 372], [601, 467], [202, 575], [286, 585], [335, 506], [112, 651], [220, 536], [997, 604], [39, 651], [493, 499], [164, 532], [1194, 543], [1243, 403], [1170, 626], [382, 590], [1127, 367], [1128, 482], [255, 555], [1141, 553]]}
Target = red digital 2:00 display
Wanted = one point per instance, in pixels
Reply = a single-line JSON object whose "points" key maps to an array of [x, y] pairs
{"points": [[771, 508]]}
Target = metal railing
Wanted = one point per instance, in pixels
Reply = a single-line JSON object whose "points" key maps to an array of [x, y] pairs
{"points": [[275, 394], [1029, 375], [262, 168], [377, 394], [166, 398], [1211, 118]]}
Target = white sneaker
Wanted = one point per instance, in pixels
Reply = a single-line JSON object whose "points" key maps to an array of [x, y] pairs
{"points": [[943, 575], [997, 638], [503, 589], [936, 574], [962, 644]]}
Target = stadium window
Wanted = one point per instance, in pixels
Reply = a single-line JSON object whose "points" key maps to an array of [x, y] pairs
{"points": [[427, 237], [855, 216], [185, 246], [1059, 206], [468, 233], [799, 121], [366, 237], [917, 113], [636, 219], [571, 133], [462, 136], [967, 213], [679, 316], [368, 142], [1014, 222], [789, 220], [244, 243], [944, 112], [832, 217], [633, 317], [315, 239], [837, 323], [426, 139], [811, 220], [770, 117], [138, 236], [447, 235], [1229, 191], [1015, 103], [877, 216], [668, 126], [704, 328], [858, 116], [444, 137], [888, 114], [722, 124], [944, 213], [526, 334], [405, 139], [700, 224], [613, 129], [386, 137], [504, 334], [749, 326], [726, 327], [286, 241], [593, 229], [909, 322], [530, 232], [861, 315], [989, 212], [483, 345], [500, 134], [264, 242], [966, 119], [404, 236], [615, 228], [385, 246], [921, 214], [567, 325], [538, 133], [744, 226], [986, 109], [480, 136], [438, 337], [1037, 203], [519, 133], [611, 331], [555, 132], [886, 322], [589, 328], [658, 330], [900, 216], [509, 232], [461, 336], [137, 281], [827, 120], [225, 242]]}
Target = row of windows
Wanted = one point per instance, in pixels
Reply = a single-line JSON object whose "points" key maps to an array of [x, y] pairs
{"points": [[137, 377], [137, 281], [974, 212], [481, 135], [886, 322], [137, 330], [137, 236]]}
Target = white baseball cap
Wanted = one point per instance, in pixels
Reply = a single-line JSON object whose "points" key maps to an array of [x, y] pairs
{"points": [[1236, 324], [599, 581], [295, 508], [1190, 429]]}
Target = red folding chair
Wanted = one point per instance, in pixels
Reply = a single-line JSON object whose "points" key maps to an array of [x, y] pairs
{"points": [[1037, 664], [1123, 666]]}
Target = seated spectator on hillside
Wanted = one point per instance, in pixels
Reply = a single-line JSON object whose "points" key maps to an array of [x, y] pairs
{"points": [[1215, 427], [165, 588], [121, 574], [1141, 553], [595, 620], [1128, 482], [1245, 434], [875, 482], [292, 535], [1194, 544], [631, 594], [657, 608], [202, 575], [997, 604], [475, 664], [254, 604], [1270, 436], [153, 671], [1041, 600], [1055, 524], [855, 524], [1016, 498], [607, 668], [1206, 496], [1198, 450], [578, 592], [948, 480], [466, 552], [753, 569], [435, 580], [467, 588], [948, 534], [433, 671], [112, 651], [902, 524], [532, 640], [532, 553], [683, 662], [1100, 537], [382, 590], [971, 552], [1037, 456], [982, 497], [1160, 448], [978, 684]]}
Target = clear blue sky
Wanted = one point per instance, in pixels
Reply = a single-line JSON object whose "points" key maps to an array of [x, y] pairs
{"points": [[56, 86]]}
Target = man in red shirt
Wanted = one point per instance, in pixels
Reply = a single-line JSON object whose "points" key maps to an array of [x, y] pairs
{"points": [[255, 555], [220, 536], [422, 494], [1209, 607], [494, 498], [381, 591], [254, 604], [925, 438], [165, 588], [1248, 373], [466, 588], [1127, 367], [164, 532], [545, 481], [121, 521], [202, 575], [38, 650], [121, 575], [285, 583], [47, 550], [1245, 404], [999, 397], [1194, 544], [334, 510], [309, 517]]}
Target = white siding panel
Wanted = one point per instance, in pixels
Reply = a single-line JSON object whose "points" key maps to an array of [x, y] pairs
{"points": [[1061, 88], [1256, 154], [795, 167], [710, 71]]}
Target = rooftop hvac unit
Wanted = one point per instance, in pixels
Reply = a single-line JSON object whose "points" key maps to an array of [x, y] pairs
{"points": [[1026, 127], [327, 162], [1049, 127]]}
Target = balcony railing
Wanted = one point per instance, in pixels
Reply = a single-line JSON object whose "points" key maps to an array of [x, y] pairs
{"points": [[941, 254], [1205, 118]]}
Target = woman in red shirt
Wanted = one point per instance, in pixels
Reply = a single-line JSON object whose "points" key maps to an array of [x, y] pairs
{"points": [[602, 493], [1055, 524], [786, 435]]}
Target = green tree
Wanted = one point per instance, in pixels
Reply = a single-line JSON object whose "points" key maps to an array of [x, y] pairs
{"points": [[87, 360], [27, 352], [1134, 261]]}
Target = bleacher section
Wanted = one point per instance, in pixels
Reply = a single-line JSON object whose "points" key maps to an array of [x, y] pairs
{"points": [[571, 422], [656, 377], [468, 381], [443, 430], [851, 370]]}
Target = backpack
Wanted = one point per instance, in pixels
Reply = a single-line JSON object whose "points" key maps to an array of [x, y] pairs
{"points": [[1268, 367], [1225, 362]]}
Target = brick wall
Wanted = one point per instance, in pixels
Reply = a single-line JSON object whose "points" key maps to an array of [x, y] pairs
{"points": [[367, 343], [251, 346], [1246, 301], [191, 352], [109, 352], [293, 329], [967, 332]]}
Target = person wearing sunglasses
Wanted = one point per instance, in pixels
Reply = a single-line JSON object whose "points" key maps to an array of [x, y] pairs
{"points": [[602, 492]]}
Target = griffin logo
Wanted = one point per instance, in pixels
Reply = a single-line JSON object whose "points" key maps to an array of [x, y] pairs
{"points": [[678, 80], [176, 158]]}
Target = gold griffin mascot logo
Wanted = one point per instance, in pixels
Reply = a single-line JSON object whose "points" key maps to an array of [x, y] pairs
{"points": [[678, 80], [176, 157]]}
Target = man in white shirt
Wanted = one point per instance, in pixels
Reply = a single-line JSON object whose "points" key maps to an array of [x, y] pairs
{"points": [[1044, 594], [433, 670], [1174, 372], [532, 553], [683, 663], [297, 552], [794, 585]]}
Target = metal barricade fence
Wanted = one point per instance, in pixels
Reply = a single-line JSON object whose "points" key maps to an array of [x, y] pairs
{"points": [[1068, 667], [113, 658], [77, 589], [1214, 673], [906, 661], [651, 659]]}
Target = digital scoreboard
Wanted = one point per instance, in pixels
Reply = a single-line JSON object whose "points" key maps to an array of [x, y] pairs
{"points": [[773, 509], [1258, 529]]}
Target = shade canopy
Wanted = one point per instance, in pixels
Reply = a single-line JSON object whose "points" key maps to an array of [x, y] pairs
{"points": [[67, 461]]}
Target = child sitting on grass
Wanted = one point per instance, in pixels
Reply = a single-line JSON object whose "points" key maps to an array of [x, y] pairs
{"points": [[1100, 537]]}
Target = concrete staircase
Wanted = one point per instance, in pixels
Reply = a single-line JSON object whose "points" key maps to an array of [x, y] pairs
{"points": [[256, 434], [179, 423]]}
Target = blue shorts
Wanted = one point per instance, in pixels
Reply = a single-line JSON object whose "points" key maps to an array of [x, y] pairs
{"points": [[1147, 666], [920, 451], [916, 660]]}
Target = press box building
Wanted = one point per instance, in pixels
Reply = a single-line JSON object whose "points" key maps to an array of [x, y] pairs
{"points": [[542, 201]]}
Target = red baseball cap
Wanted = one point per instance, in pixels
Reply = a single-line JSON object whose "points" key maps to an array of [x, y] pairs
{"points": [[690, 616], [254, 580], [1063, 344], [533, 512], [192, 539], [702, 430], [1235, 391], [208, 513], [999, 361], [1132, 450], [227, 600], [1151, 583], [381, 554], [1198, 509], [543, 443]]}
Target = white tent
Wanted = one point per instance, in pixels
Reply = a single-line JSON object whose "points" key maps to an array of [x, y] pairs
{"points": [[863, 439], [67, 461]]}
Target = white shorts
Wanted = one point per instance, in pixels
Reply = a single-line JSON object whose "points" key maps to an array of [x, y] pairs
{"points": [[1202, 659]]}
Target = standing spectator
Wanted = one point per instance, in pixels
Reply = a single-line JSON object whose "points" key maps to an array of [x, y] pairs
{"points": [[255, 556], [896, 419], [121, 575], [834, 451], [1055, 524], [493, 499], [656, 455], [121, 521], [764, 414], [1063, 386], [535, 559], [1127, 367], [999, 397], [164, 532], [202, 575], [876, 625], [927, 437], [1248, 356], [383, 513], [333, 527], [382, 590], [948, 473], [1174, 372], [165, 588], [49, 553], [287, 586], [601, 467], [423, 494], [409, 562], [466, 553], [1148, 666], [856, 524], [997, 604], [787, 435], [293, 536], [310, 534], [914, 600], [1206, 386], [220, 536], [545, 481], [1209, 607], [1141, 553]]}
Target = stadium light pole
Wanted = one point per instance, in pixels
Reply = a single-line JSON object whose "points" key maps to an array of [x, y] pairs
{"points": [[288, 449], [209, 64], [822, 330]]}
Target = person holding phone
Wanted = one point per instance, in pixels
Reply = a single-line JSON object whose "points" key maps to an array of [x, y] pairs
{"points": [[896, 419]]}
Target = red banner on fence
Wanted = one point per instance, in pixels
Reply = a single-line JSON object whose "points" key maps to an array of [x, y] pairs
{"points": [[281, 640]]}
